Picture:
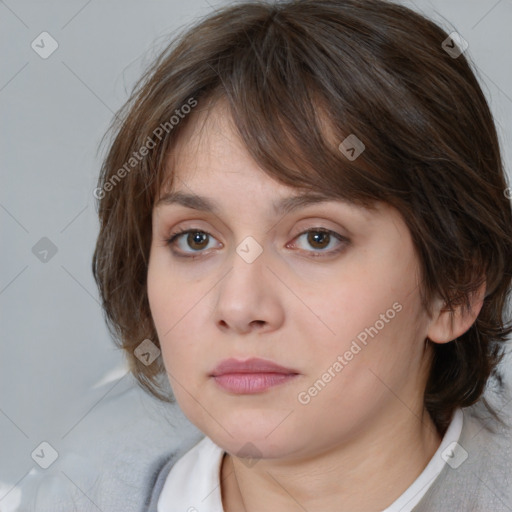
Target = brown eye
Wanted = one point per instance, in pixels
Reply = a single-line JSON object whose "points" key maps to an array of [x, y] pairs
{"points": [[196, 240], [320, 239]]}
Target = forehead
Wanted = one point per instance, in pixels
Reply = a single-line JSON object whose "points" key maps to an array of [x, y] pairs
{"points": [[209, 134], [210, 165], [208, 150]]}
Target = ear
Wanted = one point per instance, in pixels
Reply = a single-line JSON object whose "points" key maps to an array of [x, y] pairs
{"points": [[447, 325]]}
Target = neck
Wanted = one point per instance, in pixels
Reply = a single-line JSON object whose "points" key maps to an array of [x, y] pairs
{"points": [[368, 473]]}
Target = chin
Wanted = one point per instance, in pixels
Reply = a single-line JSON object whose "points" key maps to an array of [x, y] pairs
{"points": [[245, 448], [251, 440]]}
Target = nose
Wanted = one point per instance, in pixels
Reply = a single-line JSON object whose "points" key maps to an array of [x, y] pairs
{"points": [[249, 298]]}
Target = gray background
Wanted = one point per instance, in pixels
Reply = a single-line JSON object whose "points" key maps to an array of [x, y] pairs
{"points": [[61, 378]]}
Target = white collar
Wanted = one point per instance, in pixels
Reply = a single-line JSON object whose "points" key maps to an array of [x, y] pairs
{"points": [[413, 494], [193, 484]]}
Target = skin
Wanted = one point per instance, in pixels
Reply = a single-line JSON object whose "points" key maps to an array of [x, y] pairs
{"points": [[365, 437]]}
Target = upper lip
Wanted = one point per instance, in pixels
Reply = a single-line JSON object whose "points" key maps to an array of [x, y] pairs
{"points": [[252, 365]]}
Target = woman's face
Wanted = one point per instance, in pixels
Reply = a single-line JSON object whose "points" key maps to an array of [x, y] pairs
{"points": [[328, 291]]}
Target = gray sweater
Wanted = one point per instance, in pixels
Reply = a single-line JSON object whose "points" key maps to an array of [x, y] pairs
{"points": [[482, 483]]}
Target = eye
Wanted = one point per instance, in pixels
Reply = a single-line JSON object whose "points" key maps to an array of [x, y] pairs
{"points": [[196, 239], [320, 239]]}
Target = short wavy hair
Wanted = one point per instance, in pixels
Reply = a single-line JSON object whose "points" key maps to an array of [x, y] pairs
{"points": [[299, 76]]}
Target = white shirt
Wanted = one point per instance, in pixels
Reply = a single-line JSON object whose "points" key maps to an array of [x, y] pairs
{"points": [[193, 484]]}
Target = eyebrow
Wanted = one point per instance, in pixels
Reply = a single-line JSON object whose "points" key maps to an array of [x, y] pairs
{"points": [[283, 206]]}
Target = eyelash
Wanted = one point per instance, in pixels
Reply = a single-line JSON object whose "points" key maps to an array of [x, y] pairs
{"points": [[174, 236]]}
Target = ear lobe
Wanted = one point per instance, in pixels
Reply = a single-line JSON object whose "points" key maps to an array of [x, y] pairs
{"points": [[447, 325]]}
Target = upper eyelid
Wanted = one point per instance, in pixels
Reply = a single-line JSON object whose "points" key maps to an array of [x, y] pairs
{"points": [[181, 231], [321, 218], [307, 211]]}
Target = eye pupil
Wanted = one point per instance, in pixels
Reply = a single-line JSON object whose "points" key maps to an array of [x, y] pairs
{"points": [[318, 237], [197, 237]]}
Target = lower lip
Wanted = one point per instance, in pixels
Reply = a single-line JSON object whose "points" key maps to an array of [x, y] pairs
{"points": [[249, 383]]}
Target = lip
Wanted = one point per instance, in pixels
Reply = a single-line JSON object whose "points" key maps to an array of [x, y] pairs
{"points": [[251, 376], [252, 365]]}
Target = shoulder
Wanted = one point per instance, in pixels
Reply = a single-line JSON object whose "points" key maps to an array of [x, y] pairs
{"points": [[159, 472], [172, 482], [477, 475]]}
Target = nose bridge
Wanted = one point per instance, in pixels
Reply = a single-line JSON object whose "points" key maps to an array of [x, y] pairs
{"points": [[246, 296], [248, 265]]}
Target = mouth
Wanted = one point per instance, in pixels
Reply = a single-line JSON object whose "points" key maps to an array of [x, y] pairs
{"points": [[251, 376]]}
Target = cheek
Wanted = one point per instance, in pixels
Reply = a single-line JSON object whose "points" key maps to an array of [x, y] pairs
{"points": [[179, 346], [369, 361], [166, 305], [171, 321], [176, 310], [372, 315]]}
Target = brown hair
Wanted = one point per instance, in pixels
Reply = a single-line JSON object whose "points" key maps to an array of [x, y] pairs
{"points": [[299, 77]]}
